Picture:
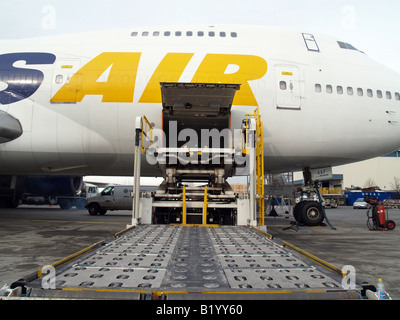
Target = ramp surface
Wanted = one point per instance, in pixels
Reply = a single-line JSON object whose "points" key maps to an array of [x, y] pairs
{"points": [[195, 259]]}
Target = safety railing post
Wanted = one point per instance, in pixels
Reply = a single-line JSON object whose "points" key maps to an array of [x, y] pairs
{"points": [[184, 206], [205, 206]]}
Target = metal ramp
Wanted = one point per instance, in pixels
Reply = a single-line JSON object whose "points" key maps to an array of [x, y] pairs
{"points": [[167, 262]]}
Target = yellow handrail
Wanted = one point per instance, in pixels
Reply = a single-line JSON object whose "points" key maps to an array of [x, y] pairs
{"points": [[205, 207], [259, 146], [260, 163], [184, 206], [147, 131]]}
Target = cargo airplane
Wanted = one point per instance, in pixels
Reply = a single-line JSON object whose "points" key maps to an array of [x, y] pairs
{"points": [[68, 103]]}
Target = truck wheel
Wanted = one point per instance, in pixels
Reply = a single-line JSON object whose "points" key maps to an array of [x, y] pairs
{"points": [[93, 209], [65, 204], [311, 213]]}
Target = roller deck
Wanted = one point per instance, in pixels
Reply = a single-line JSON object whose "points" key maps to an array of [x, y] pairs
{"points": [[176, 262]]}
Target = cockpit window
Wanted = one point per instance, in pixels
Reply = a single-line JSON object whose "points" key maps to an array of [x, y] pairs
{"points": [[348, 46], [311, 42]]}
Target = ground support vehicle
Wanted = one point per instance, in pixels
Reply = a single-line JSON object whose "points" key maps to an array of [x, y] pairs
{"points": [[113, 197]]}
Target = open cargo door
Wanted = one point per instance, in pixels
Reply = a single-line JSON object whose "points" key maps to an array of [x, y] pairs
{"points": [[196, 106]]}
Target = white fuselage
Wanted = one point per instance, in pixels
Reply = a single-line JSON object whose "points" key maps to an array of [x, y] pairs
{"points": [[322, 104]]}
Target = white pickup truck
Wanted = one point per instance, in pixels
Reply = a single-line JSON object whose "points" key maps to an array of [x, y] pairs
{"points": [[113, 197]]}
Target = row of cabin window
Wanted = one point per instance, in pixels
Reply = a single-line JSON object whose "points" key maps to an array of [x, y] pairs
{"points": [[222, 34], [360, 91]]}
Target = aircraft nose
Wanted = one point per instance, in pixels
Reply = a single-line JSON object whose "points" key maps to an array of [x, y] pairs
{"points": [[10, 128]]}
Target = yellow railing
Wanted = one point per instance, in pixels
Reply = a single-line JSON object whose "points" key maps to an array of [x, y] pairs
{"points": [[205, 206], [184, 206], [260, 164], [147, 132], [259, 149]]}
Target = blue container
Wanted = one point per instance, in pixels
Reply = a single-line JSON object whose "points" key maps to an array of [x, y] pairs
{"points": [[351, 197]]}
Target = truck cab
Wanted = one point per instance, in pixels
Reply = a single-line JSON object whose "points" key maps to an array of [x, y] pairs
{"points": [[113, 197]]}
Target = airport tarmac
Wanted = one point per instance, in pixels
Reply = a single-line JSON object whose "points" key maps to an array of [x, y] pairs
{"points": [[32, 237], [373, 254]]}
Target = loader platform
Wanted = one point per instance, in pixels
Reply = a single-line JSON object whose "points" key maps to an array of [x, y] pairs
{"points": [[182, 262]]}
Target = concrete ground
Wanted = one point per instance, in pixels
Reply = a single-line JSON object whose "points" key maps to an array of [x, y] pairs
{"points": [[32, 237], [374, 254]]}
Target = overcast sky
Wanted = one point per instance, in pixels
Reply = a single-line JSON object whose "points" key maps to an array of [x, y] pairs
{"points": [[372, 26]]}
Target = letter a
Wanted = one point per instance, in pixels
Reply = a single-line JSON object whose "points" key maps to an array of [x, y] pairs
{"points": [[120, 83]]}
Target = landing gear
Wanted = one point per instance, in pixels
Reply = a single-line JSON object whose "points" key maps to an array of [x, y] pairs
{"points": [[309, 212]]}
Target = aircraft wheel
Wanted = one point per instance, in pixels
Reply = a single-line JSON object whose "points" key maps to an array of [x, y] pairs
{"points": [[298, 210], [312, 213], [308, 213]]}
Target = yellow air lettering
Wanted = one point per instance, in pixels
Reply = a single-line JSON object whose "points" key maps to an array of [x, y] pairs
{"points": [[214, 69], [118, 87], [169, 70]]}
